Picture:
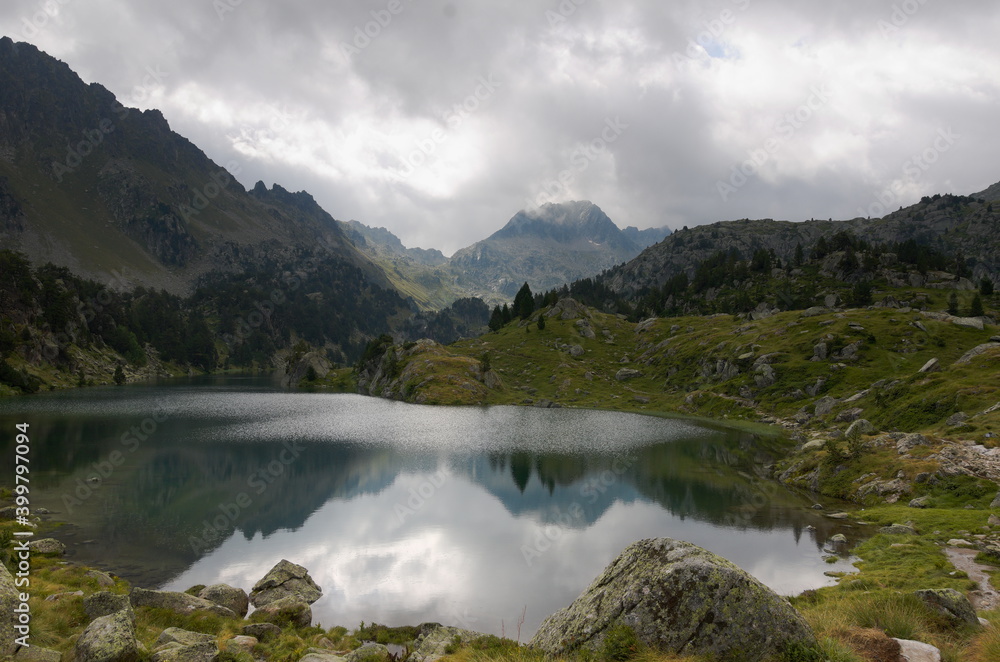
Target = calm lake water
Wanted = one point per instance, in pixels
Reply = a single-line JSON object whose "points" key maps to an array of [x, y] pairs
{"points": [[401, 513]]}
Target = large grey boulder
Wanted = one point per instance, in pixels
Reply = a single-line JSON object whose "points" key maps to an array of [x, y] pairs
{"points": [[8, 602], [109, 639], [951, 604], [36, 654], [284, 580], [182, 603], [47, 546], [678, 598], [103, 603], [432, 645], [175, 644], [288, 610], [224, 595], [262, 631], [370, 652]]}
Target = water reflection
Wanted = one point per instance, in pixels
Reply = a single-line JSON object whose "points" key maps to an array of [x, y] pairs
{"points": [[402, 514]]}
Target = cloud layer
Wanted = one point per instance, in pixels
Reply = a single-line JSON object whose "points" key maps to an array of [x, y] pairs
{"points": [[440, 120]]}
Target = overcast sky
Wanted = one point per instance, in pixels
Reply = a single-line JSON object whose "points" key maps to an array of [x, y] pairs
{"points": [[441, 119]]}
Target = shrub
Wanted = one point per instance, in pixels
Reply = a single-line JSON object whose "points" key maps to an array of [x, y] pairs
{"points": [[620, 644]]}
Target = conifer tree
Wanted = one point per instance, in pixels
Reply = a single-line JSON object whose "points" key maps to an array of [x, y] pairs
{"points": [[524, 302]]}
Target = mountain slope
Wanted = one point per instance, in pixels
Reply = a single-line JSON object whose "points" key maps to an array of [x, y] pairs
{"points": [[547, 247], [103, 189]]}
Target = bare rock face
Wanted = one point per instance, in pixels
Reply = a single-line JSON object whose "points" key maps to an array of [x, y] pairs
{"points": [[285, 580], [677, 598]]}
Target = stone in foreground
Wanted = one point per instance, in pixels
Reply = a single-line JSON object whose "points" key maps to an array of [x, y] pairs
{"points": [[433, 645], [109, 639], [678, 598], [951, 604], [285, 579], [233, 599]]}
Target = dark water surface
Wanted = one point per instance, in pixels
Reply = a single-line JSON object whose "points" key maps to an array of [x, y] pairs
{"points": [[401, 513]]}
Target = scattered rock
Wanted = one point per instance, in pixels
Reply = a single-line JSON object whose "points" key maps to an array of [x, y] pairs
{"points": [[241, 644], [47, 546], [233, 599], [645, 325], [104, 603], [370, 652], [917, 651], [285, 610], [55, 597], [861, 427], [322, 657], [262, 631], [109, 638], [909, 442], [825, 405], [677, 598], [284, 580], [625, 374], [849, 415], [838, 515], [959, 542], [815, 311], [820, 351], [951, 604], [576, 350], [977, 351], [182, 603], [920, 502], [103, 579], [814, 445], [957, 419], [934, 365], [182, 637], [969, 322]]}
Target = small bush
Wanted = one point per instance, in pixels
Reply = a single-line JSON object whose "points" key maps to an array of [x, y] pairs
{"points": [[620, 644]]}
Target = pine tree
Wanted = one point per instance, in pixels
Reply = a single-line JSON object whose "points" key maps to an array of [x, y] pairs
{"points": [[953, 304], [496, 319], [119, 375], [541, 322], [986, 287], [507, 315], [524, 302], [976, 309]]}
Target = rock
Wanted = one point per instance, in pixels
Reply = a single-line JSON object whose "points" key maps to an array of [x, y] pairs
{"points": [[838, 515], [182, 637], [322, 657], [103, 579], [969, 322], [934, 365], [993, 520], [821, 351], [996, 501], [917, 651], [909, 442], [849, 415], [977, 351], [233, 599], [839, 539], [370, 652], [182, 603], [625, 374], [576, 350], [9, 601], [645, 325], [825, 405], [920, 502], [567, 309], [241, 644], [765, 376], [36, 654], [860, 427], [47, 546], [104, 603], [959, 542], [957, 419], [285, 579], [677, 598], [814, 445], [262, 631], [815, 311], [898, 530], [109, 638], [951, 604], [285, 610], [814, 389], [435, 639]]}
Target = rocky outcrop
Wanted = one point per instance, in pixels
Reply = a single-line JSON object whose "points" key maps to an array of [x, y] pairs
{"points": [[285, 611], [285, 580], [951, 604], [432, 646], [109, 639], [370, 652], [224, 595], [182, 603], [177, 645], [104, 603], [681, 599]]}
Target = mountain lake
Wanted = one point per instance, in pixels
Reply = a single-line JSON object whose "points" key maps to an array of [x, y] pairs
{"points": [[488, 518]]}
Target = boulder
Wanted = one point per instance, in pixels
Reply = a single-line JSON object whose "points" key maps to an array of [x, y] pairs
{"points": [[976, 351], [241, 644], [8, 602], [909, 442], [175, 644], [103, 603], [934, 365], [951, 604], [625, 374], [679, 599], [287, 610], [825, 405], [36, 654], [860, 427], [370, 652], [102, 578], [917, 651], [322, 657], [224, 595], [969, 322], [815, 311], [957, 419], [920, 502], [434, 639], [262, 631], [47, 546], [285, 580], [849, 415], [109, 638], [182, 603]]}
